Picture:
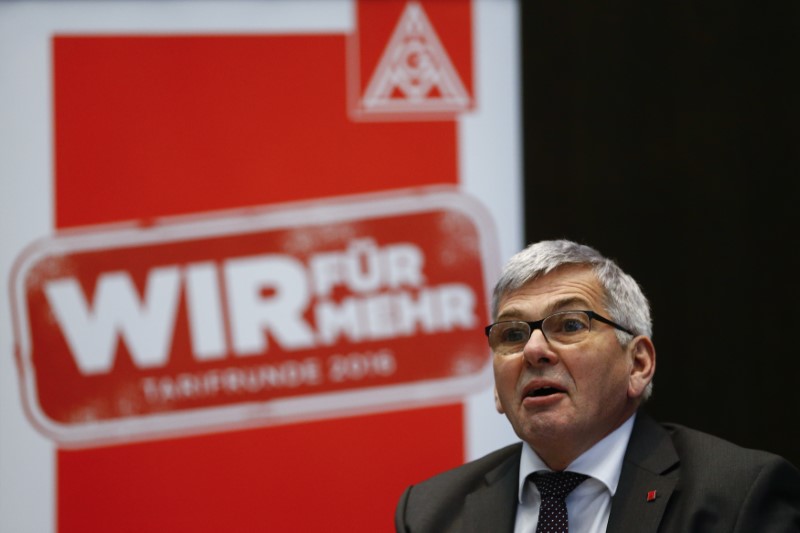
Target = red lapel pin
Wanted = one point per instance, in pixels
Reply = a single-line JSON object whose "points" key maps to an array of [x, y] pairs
{"points": [[651, 496]]}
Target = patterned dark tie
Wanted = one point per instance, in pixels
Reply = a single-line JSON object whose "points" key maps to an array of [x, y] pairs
{"points": [[554, 487]]}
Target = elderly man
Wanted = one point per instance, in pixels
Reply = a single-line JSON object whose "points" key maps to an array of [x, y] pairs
{"points": [[573, 362]]}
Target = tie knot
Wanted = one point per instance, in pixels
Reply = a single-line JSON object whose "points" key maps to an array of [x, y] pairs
{"points": [[556, 484]]}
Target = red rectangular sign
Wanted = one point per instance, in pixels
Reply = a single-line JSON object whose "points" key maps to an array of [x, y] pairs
{"points": [[307, 310], [149, 124]]}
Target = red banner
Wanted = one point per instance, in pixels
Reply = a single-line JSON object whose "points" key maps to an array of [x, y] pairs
{"points": [[251, 258], [148, 126]]}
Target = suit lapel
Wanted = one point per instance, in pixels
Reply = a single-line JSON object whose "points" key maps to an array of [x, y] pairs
{"points": [[651, 464], [648, 477], [493, 507]]}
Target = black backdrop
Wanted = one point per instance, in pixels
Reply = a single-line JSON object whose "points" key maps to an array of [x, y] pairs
{"points": [[667, 135]]}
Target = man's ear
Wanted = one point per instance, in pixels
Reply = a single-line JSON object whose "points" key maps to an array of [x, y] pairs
{"points": [[497, 404], [643, 365]]}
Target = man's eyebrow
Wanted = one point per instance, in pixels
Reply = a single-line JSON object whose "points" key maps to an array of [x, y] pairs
{"points": [[510, 313], [567, 304], [564, 304]]}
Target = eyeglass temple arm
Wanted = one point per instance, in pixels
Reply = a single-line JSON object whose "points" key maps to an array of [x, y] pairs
{"points": [[609, 322]]}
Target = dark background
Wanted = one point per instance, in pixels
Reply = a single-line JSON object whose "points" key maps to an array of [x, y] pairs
{"points": [[666, 134]]}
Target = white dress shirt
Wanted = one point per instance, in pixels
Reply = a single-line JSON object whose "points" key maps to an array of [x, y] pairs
{"points": [[589, 505]]}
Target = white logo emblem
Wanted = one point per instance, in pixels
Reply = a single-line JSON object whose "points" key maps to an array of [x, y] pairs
{"points": [[415, 74]]}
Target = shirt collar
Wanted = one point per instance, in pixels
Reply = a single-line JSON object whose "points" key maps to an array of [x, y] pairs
{"points": [[603, 461]]}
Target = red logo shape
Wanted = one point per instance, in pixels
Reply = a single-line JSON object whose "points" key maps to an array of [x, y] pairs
{"points": [[299, 311]]}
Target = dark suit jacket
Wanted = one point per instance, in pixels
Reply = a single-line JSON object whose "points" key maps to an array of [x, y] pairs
{"points": [[703, 484]]}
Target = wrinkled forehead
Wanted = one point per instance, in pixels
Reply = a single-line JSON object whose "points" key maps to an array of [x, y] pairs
{"points": [[568, 287]]}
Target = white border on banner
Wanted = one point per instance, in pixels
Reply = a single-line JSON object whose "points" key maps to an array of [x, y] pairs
{"points": [[498, 112]]}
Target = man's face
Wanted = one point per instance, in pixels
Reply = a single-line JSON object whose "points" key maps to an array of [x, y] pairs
{"points": [[585, 389]]}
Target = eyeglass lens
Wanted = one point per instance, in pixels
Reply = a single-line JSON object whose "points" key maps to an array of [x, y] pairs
{"points": [[568, 327]]}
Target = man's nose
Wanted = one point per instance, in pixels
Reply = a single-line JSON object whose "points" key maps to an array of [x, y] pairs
{"points": [[537, 350]]}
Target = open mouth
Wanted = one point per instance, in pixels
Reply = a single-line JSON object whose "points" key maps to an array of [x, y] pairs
{"points": [[543, 391]]}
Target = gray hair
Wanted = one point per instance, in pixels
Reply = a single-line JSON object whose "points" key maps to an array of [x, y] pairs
{"points": [[623, 299]]}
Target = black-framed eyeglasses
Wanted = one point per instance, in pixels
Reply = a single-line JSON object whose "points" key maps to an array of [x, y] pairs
{"points": [[565, 327]]}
